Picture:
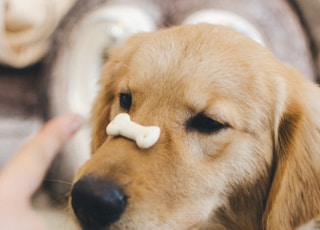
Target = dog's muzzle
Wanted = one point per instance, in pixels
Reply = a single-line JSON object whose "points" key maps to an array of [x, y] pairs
{"points": [[97, 203]]}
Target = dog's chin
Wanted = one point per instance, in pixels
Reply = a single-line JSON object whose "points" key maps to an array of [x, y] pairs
{"points": [[144, 223], [148, 220]]}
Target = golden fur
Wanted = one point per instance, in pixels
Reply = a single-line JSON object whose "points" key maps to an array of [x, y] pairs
{"points": [[262, 171]]}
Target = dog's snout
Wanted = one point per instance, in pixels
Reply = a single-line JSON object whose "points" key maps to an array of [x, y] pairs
{"points": [[97, 202]]}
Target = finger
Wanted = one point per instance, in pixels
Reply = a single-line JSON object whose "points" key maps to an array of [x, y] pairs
{"points": [[25, 171]]}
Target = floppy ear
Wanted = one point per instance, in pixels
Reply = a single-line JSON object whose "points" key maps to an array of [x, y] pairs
{"points": [[100, 117], [294, 197], [114, 69]]}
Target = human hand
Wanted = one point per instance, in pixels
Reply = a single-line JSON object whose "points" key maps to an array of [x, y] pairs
{"points": [[24, 173]]}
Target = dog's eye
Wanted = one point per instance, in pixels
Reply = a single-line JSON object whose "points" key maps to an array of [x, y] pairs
{"points": [[204, 124], [125, 100]]}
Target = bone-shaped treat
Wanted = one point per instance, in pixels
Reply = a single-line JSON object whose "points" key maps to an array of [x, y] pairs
{"points": [[144, 136]]}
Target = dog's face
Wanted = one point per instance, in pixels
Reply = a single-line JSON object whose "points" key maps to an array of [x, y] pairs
{"points": [[229, 113]]}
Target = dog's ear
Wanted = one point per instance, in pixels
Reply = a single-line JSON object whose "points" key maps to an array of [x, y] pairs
{"points": [[294, 197], [100, 117], [115, 67]]}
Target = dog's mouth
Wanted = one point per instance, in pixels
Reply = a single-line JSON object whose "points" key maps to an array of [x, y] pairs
{"points": [[97, 203], [101, 204]]}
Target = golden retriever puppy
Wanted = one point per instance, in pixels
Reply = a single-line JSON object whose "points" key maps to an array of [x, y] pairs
{"points": [[239, 146]]}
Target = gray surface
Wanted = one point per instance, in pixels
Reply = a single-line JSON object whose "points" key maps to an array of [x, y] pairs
{"points": [[309, 12], [20, 111]]}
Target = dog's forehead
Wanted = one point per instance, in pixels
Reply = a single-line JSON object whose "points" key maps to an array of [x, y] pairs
{"points": [[193, 51], [200, 56], [201, 65]]}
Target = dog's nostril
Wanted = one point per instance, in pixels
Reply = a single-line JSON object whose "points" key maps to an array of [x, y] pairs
{"points": [[96, 202]]}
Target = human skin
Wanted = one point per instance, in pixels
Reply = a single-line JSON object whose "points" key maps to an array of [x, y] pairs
{"points": [[24, 173]]}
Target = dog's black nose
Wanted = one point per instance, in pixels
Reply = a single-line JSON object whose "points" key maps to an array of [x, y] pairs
{"points": [[97, 202]]}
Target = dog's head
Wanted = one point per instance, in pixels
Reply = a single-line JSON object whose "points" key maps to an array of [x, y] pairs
{"points": [[239, 142]]}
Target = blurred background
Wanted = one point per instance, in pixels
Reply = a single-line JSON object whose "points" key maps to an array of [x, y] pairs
{"points": [[51, 52]]}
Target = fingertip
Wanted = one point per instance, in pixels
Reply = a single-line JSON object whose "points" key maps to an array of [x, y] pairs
{"points": [[74, 122], [27, 168], [64, 126]]}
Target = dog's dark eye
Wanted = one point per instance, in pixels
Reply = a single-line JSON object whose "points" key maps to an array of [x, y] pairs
{"points": [[204, 124], [125, 100]]}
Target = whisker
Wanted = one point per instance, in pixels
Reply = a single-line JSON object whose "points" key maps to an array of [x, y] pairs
{"points": [[58, 181], [61, 200]]}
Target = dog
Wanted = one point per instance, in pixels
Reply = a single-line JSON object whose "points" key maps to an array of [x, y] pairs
{"points": [[239, 146]]}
